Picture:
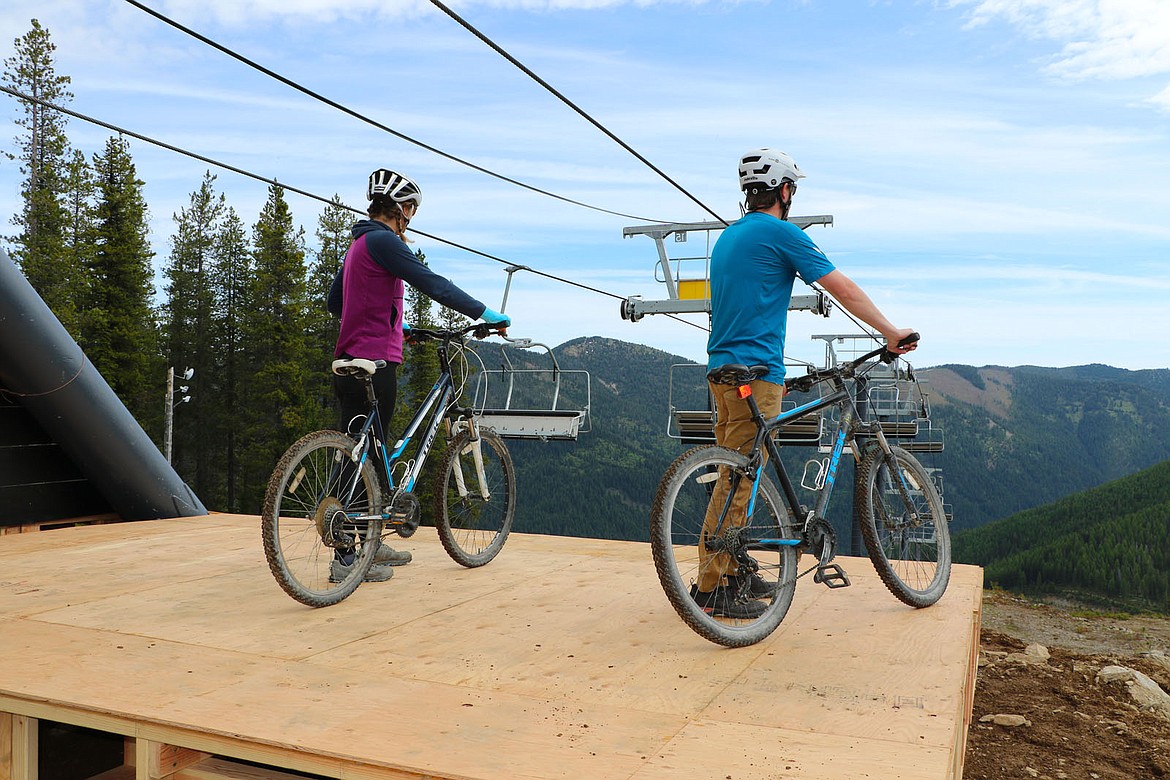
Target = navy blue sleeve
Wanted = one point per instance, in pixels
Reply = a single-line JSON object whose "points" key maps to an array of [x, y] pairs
{"points": [[333, 300], [391, 252]]}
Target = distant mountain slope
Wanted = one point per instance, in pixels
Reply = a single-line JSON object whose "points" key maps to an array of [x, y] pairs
{"points": [[1022, 437], [1109, 543]]}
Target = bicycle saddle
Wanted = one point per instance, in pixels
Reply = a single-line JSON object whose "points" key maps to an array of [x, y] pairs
{"points": [[736, 374], [356, 366]]}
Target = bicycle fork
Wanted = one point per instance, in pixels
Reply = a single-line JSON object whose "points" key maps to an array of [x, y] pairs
{"points": [[475, 449]]}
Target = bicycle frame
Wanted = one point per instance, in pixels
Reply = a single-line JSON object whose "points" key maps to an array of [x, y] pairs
{"points": [[846, 432], [434, 407]]}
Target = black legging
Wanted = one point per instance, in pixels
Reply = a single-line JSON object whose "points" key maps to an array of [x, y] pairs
{"points": [[352, 402]]}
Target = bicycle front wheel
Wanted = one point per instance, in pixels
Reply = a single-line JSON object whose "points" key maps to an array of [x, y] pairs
{"points": [[317, 547], [904, 525], [752, 605], [476, 498]]}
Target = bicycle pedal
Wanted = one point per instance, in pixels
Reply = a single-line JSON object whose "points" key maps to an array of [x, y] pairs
{"points": [[831, 575], [404, 515]]}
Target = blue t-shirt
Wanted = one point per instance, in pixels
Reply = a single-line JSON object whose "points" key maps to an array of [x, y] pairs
{"points": [[753, 267]]}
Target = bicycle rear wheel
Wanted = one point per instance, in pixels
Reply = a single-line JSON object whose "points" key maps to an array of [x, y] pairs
{"points": [[476, 498], [308, 524], [676, 525], [904, 525]]}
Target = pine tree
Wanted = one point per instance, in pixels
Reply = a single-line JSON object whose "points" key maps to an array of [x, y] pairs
{"points": [[119, 332], [278, 408], [40, 248], [79, 240], [231, 283], [189, 339], [333, 236]]}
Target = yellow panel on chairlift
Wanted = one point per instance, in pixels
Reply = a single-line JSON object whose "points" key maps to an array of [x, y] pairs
{"points": [[694, 289]]}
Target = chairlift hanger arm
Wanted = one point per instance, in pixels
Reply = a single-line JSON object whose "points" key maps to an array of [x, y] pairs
{"points": [[660, 231]]}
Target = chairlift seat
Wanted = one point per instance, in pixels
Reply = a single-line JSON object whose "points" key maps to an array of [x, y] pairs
{"points": [[542, 424], [924, 445], [698, 426], [900, 428]]}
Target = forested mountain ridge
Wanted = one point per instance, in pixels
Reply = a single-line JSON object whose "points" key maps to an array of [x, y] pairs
{"points": [[1110, 543], [1025, 436]]}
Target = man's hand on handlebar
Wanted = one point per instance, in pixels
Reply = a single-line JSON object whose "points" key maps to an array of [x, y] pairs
{"points": [[901, 341]]}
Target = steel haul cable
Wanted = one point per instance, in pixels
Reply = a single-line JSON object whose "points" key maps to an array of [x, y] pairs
{"points": [[257, 177], [369, 121]]}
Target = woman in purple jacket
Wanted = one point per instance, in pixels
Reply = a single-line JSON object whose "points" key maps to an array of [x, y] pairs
{"points": [[368, 293]]}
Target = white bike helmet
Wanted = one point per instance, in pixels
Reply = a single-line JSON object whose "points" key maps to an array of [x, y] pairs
{"points": [[400, 189], [764, 169]]}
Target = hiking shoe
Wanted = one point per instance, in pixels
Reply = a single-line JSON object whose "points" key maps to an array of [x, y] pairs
{"points": [[377, 573], [757, 586], [388, 556], [723, 602]]}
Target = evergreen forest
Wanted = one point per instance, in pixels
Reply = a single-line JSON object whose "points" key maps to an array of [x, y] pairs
{"points": [[1109, 545]]}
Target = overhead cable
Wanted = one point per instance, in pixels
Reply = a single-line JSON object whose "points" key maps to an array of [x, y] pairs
{"points": [[467, 25], [374, 123], [305, 193]]}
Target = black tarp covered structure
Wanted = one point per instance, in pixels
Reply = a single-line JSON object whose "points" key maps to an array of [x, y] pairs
{"points": [[43, 370]]}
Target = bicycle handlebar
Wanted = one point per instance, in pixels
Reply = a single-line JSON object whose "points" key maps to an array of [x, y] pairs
{"points": [[481, 330], [805, 383]]}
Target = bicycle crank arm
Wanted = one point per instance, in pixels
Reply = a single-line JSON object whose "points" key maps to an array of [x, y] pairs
{"points": [[831, 575]]}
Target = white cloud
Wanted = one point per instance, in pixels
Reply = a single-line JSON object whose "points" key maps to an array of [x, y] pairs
{"points": [[1101, 39]]}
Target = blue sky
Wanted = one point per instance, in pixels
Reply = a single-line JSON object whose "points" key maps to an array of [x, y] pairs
{"points": [[996, 169]]}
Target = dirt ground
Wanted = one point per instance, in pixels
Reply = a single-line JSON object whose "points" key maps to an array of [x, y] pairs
{"points": [[1074, 726]]}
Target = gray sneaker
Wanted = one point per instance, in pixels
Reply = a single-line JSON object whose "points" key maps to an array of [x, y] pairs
{"points": [[377, 573], [724, 602], [388, 556], [757, 586]]}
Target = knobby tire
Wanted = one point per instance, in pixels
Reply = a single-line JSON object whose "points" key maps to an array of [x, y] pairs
{"points": [[909, 544], [307, 495], [473, 527], [676, 522]]}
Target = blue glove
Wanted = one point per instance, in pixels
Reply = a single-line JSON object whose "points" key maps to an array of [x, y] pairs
{"points": [[492, 317]]}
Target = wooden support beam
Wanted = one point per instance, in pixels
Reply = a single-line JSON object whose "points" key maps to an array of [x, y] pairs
{"points": [[5, 746], [158, 761], [222, 769], [21, 748]]}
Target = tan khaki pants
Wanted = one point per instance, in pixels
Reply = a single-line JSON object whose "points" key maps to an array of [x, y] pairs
{"points": [[735, 430]]}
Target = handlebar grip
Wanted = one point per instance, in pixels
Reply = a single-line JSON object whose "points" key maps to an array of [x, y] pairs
{"points": [[890, 357]]}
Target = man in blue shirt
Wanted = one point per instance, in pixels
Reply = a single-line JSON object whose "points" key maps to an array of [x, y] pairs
{"points": [[754, 265]]}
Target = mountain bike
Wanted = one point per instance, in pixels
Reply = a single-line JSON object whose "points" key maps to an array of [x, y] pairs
{"points": [[713, 501], [332, 497]]}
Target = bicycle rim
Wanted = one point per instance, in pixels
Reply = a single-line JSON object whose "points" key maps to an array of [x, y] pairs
{"points": [[313, 495], [677, 521], [474, 509], [905, 531]]}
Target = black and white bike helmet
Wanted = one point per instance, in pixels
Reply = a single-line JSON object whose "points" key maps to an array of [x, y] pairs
{"points": [[400, 189], [764, 169]]}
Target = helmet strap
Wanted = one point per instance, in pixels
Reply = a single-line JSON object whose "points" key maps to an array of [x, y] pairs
{"points": [[784, 207]]}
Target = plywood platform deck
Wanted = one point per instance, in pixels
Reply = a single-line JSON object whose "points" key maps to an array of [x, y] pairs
{"points": [[560, 659]]}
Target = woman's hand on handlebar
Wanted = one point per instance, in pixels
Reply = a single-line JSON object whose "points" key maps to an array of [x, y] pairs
{"points": [[496, 320]]}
